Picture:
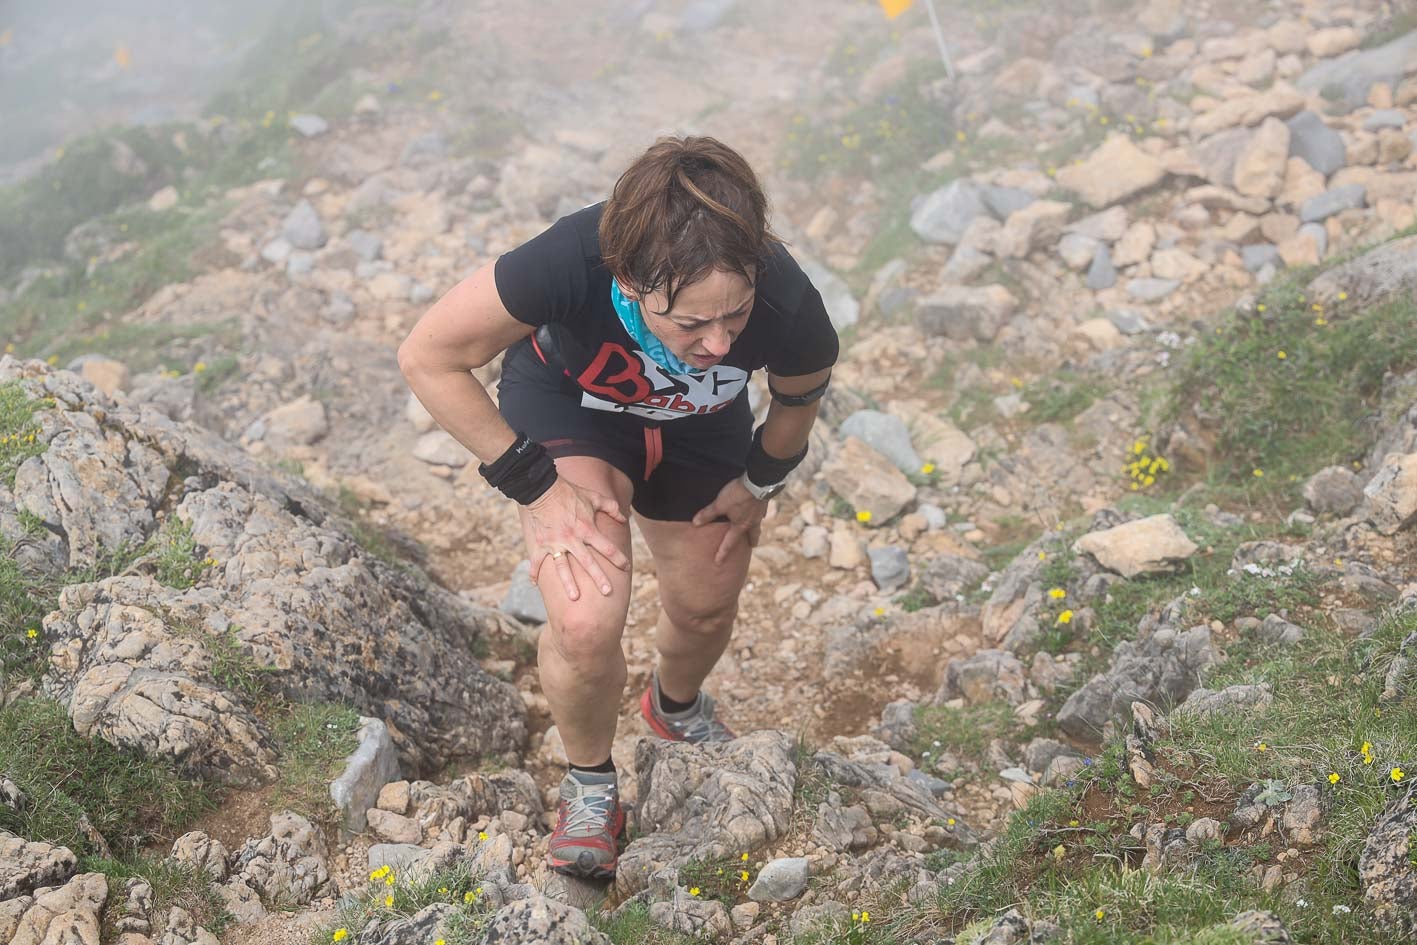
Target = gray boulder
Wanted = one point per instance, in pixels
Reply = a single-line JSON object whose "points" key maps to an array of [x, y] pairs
{"points": [[302, 227], [945, 576], [1387, 272], [1151, 289], [1160, 668], [374, 763], [541, 920], [1101, 274], [964, 312], [1352, 75], [890, 567], [887, 435], [707, 801], [290, 590], [782, 880], [1311, 139], [1331, 202], [1386, 870], [987, 676], [27, 865], [1203, 702], [944, 214], [523, 599]]}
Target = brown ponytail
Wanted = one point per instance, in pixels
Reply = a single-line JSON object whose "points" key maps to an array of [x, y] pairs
{"points": [[684, 208]]}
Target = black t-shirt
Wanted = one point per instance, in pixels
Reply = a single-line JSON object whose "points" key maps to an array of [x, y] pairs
{"points": [[559, 279]]}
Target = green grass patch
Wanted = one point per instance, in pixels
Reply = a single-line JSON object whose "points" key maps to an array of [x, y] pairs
{"points": [[176, 552], [632, 926], [965, 732], [1288, 416], [1061, 398], [173, 884], [130, 799], [389, 895], [314, 739], [725, 878]]}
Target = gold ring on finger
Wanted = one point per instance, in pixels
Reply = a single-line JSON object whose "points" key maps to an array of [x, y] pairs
{"points": [[557, 554]]}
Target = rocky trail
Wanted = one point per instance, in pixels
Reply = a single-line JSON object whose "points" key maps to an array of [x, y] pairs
{"points": [[1058, 511]]}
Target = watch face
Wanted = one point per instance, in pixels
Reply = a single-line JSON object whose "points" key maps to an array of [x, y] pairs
{"points": [[771, 491]]}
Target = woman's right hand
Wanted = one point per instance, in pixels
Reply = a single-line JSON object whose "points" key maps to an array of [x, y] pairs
{"points": [[561, 526]]}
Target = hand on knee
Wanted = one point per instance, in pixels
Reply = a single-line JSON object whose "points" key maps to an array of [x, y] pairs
{"points": [[712, 623]]}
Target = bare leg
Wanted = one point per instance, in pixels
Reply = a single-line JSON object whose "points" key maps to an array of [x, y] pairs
{"points": [[698, 599], [582, 665]]}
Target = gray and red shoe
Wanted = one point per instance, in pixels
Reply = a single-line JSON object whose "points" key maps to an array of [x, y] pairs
{"points": [[586, 841], [696, 725]]}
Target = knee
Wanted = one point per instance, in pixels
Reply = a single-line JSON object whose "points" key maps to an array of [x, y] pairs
{"points": [[588, 636], [710, 620]]}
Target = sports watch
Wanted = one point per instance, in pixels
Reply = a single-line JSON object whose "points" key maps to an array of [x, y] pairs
{"points": [[761, 493]]}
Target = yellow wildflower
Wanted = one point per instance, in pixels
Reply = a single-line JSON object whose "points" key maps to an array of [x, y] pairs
{"points": [[9, 349], [880, 611], [1333, 777], [928, 468], [950, 822], [435, 96], [1261, 747], [388, 902], [1260, 307], [1397, 774], [1343, 296], [863, 516], [1042, 555], [199, 367], [1065, 617], [32, 633], [340, 935], [694, 891], [52, 360], [961, 137], [744, 857], [1258, 474], [1057, 593], [389, 880], [482, 835], [1281, 355], [1100, 914], [468, 897]]}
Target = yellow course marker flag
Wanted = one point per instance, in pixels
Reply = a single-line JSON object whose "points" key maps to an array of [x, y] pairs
{"points": [[895, 8]]}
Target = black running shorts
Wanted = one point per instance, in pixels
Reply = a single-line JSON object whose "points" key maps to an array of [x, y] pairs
{"points": [[676, 467]]}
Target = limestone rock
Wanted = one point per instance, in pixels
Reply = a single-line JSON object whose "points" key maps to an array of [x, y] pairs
{"points": [[781, 880], [27, 865], [887, 435], [987, 676], [1135, 245], [943, 215], [1331, 202], [439, 448], [1281, 100], [1334, 490], [1260, 167], [1203, 702], [868, 481], [704, 919], [1386, 871], [70, 914], [302, 227], [372, 766], [288, 865], [1036, 225], [1311, 139], [301, 422], [1160, 667], [1115, 172], [961, 312], [1147, 546], [705, 801], [1392, 494], [197, 851], [1386, 272], [1327, 43]]}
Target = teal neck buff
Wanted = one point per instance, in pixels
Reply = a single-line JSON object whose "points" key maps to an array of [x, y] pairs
{"points": [[630, 317]]}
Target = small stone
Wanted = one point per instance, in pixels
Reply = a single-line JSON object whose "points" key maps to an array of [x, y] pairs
{"points": [[1325, 44], [845, 552], [816, 542], [1151, 290], [395, 828], [164, 199], [394, 797], [303, 228], [780, 881], [1325, 205], [309, 126], [439, 448], [890, 567], [523, 599], [1146, 546], [1102, 274], [1334, 490]]}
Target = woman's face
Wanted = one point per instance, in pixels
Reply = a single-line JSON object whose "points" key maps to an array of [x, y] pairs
{"points": [[708, 316]]}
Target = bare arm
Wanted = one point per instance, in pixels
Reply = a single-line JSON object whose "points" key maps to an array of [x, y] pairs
{"points": [[463, 330]]}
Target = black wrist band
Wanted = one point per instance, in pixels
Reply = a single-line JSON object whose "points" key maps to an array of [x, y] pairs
{"points": [[766, 470], [523, 473]]}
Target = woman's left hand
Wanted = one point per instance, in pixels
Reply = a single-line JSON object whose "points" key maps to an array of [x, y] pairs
{"points": [[744, 514]]}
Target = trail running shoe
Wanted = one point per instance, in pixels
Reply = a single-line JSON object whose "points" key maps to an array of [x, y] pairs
{"points": [[696, 725], [589, 822]]}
